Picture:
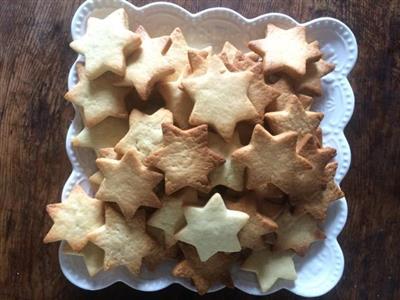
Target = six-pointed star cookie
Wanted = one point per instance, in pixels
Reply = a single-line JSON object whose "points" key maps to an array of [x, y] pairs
{"points": [[294, 118], [297, 232], [220, 105], [185, 158], [103, 135], [92, 255], [169, 218], [286, 50], [125, 242], [270, 266], [230, 173], [74, 218], [251, 235], [145, 133], [128, 183], [212, 228], [147, 65], [98, 98], [310, 83], [106, 43], [271, 159], [204, 274]]}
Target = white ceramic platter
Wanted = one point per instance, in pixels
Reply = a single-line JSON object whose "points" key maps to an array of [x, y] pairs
{"points": [[322, 268]]}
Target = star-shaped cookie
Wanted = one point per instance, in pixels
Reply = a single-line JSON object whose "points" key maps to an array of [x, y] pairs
{"points": [[74, 218], [315, 179], [176, 99], [293, 118], [251, 235], [185, 158], [125, 242], [270, 266], [106, 43], [286, 51], [220, 105], [259, 93], [212, 228], [98, 98], [169, 218], [145, 133], [205, 273], [271, 159], [310, 83], [92, 255], [128, 183], [103, 135], [230, 173], [317, 204], [297, 232], [147, 65]]}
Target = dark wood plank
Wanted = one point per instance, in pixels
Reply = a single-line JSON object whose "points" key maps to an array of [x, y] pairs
{"points": [[34, 63]]}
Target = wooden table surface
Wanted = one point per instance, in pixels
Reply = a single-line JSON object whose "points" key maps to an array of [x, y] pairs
{"points": [[34, 63]]}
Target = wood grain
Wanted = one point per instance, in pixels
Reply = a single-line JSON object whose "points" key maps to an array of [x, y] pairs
{"points": [[34, 63]]}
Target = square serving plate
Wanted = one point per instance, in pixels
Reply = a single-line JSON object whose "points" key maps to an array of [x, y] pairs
{"points": [[320, 270]]}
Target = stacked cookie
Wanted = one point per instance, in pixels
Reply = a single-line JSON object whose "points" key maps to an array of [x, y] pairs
{"points": [[208, 159]]}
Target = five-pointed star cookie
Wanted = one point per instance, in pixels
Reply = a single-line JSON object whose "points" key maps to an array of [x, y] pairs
{"points": [[205, 273], [286, 51], [230, 173], [147, 65], [310, 83], [145, 133], [294, 118], [271, 159], [251, 235], [297, 232], [74, 218], [220, 105], [169, 218], [92, 255], [185, 158], [106, 43], [103, 135], [128, 183], [270, 266], [98, 98], [212, 228], [125, 242]]}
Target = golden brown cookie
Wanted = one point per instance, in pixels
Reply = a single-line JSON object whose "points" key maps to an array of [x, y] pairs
{"points": [[145, 133], [251, 235], [310, 83], [185, 158], [293, 118], [297, 232], [205, 273], [221, 106], [147, 65], [128, 183], [74, 218], [125, 242], [271, 159], [286, 51]]}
